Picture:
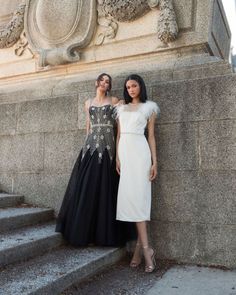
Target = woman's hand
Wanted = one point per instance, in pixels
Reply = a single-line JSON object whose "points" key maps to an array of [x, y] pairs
{"points": [[118, 166], [153, 172]]}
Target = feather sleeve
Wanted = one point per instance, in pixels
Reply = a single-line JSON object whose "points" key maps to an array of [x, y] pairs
{"points": [[149, 108]]}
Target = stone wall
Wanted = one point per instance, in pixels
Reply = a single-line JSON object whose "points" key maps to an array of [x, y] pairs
{"points": [[193, 214]]}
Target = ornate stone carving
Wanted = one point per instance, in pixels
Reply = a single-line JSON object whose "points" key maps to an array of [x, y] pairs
{"points": [[10, 33], [22, 45], [110, 11], [124, 10], [167, 25], [58, 30]]}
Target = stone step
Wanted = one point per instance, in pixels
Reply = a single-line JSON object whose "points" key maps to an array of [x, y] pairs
{"points": [[13, 218], [8, 200], [54, 272], [22, 244]]}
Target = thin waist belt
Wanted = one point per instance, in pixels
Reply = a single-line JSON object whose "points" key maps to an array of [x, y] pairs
{"points": [[131, 133], [101, 125]]}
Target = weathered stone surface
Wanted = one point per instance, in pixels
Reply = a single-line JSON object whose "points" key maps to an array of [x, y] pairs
{"points": [[206, 197], [217, 201], [55, 114], [186, 279], [178, 146], [7, 119], [196, 100], [176, 196], [7, 200], [13, 218], [218, 144], [54, 272], [21, 153], [23, 244], [6, 182], [62, 149], [42, 189], [195, 242], [32, 90]]}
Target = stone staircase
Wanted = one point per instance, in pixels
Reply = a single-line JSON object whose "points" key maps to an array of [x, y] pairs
{"points": [[34, 258]]}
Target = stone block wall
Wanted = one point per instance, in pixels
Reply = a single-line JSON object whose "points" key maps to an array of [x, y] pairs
{"points": [[194, 200], [194, 208]]}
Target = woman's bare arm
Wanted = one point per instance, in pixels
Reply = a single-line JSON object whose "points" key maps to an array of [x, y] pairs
{"points": [[152, 145]]}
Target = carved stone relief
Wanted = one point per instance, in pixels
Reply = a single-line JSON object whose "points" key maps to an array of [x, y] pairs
{"points": [[22, 45], [10, 32], [112, 11], [59, 29]]}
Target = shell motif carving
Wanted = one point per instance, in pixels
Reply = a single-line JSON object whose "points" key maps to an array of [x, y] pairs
{"points": [[11, 32]]}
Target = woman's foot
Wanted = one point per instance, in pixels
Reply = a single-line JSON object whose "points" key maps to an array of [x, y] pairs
{"points": [[150, 262], [137, 256]]}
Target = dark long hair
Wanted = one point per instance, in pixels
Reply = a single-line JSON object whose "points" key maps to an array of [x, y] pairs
{"points": [[143, 91], [99, 78]]}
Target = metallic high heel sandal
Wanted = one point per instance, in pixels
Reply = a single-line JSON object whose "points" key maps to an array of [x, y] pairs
{"points": [[136, 262], [150, 268]]}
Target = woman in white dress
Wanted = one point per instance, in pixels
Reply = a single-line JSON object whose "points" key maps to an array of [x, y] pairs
{"points": [[136, 162]]}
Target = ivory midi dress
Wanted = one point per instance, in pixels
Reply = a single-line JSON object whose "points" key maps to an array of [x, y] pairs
{"points": [[134, 192]]}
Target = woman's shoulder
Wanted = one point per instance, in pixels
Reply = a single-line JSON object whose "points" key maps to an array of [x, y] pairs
{"points": [[151, 107], [116, 101]]}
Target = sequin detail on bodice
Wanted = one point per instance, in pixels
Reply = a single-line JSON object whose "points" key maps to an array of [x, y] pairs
{"points": [[101, 135]]}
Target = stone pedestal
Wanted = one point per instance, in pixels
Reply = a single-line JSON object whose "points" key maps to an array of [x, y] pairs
{"points": [[201, 27]]}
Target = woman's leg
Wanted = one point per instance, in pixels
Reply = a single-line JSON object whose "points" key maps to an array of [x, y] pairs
{"points": [[137, 256], [147, 251]]}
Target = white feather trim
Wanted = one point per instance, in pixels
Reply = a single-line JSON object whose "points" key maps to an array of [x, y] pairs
{"points": [[147, 108], [117, 110], [150, 107]]}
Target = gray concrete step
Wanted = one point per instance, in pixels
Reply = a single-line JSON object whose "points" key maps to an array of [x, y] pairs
{"points": [[13, 218], [22, 244], [52, 273], [9, 200]]}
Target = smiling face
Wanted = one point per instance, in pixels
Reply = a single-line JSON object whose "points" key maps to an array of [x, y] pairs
{"points": [[133, 89]]}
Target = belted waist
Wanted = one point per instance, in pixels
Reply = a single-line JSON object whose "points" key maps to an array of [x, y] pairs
{"points": [[135, 133], [101, 125]]}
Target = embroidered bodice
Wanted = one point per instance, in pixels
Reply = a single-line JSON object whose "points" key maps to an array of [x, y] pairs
{"points": [[101, 135]]}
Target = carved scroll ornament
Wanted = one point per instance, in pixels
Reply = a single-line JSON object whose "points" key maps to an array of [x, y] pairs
{"points": [[58, 30], [11, 32]]}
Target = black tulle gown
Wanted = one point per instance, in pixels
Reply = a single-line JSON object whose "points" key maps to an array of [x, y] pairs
{"points": [[88, 211]]}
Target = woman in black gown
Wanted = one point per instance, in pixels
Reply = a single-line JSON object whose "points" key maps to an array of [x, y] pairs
{"points": [[88, 210]]}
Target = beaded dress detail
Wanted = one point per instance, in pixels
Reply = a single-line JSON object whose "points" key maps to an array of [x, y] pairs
{"points": [[88, 211], [101, 136]]}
